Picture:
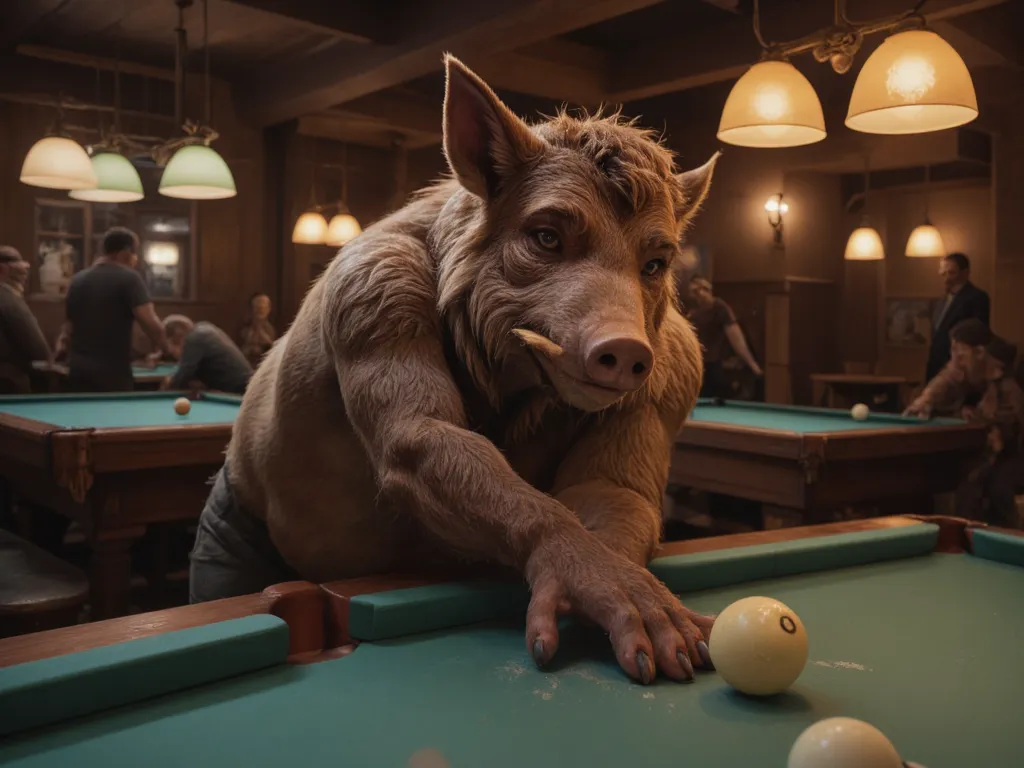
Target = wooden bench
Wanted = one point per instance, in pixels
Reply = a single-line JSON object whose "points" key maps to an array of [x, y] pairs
{"points": [[37, 590]]}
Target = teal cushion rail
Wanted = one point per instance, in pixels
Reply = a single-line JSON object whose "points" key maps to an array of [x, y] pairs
{"points": [[1000, 547], [385, 615], [52, 690]]}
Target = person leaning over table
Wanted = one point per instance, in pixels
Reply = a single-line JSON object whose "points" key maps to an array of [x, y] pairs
{"points": [[990, 489], [963, 380], [21, 339], [205, 354]]}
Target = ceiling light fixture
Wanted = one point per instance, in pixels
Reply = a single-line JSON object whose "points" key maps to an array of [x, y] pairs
{"points": [[865, 244], [925, 242], [914, 83]]}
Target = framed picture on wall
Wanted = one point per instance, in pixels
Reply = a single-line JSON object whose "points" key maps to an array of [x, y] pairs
{"points": [[908, 322]]}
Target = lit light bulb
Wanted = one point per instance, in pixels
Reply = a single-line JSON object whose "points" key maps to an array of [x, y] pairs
{"points": [[910, 78]]}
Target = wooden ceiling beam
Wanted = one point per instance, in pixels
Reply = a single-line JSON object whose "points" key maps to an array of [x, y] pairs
{"points": [[468, 28], [727, 50], [580, 83], [19, 18], [359, 22]]}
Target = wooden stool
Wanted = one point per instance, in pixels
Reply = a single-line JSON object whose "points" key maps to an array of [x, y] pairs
{"points": [[37, 590]]}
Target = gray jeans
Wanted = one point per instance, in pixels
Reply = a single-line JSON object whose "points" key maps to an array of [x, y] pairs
{"points": [[233, 554]]}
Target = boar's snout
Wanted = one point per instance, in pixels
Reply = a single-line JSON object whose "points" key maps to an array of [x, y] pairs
{"points": [[618, 358]]}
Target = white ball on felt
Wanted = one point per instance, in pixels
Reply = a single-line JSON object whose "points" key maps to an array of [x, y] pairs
{"points": [[842, 742], [758, 645]]}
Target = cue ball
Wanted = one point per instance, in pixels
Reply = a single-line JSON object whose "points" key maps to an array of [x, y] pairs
{"points": [[182, 406], [842, 742], [860, 412], [758, 645]]}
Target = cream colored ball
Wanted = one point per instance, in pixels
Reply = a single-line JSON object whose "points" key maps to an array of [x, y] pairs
{"points": [[759, 646], [842, 742]]}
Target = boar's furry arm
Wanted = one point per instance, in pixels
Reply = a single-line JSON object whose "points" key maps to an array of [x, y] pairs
{"points": [[384, 333], [613, 480]]}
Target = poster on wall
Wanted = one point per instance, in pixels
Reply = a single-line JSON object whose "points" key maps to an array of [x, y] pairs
{"points": [[908, 322]]}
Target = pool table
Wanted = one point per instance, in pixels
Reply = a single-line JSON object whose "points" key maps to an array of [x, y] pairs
{"points": [[818, 460], [147, 378], [913, 625], [116, 463]]}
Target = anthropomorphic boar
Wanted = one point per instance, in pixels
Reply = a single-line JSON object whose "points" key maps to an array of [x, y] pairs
{"points": [[493, 373]]}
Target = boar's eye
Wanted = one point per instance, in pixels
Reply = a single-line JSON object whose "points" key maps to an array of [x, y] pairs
{"points": [[547, 238], [653, 267]]}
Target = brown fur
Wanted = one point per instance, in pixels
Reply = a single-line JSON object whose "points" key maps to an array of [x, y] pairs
{"points": [[403, 416]]}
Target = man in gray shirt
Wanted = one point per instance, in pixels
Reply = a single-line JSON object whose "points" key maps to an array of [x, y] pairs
{"points": [[21, 339], [103, 303], [205, 354]]}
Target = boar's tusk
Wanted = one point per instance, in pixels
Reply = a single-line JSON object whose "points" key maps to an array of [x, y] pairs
{"points": [[539, 343]]}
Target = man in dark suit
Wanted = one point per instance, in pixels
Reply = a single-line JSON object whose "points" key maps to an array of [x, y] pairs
{"points": [[963, 301]]}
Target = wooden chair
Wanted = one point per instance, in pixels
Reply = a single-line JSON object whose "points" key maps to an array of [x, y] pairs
{"points": [[37, 590]]}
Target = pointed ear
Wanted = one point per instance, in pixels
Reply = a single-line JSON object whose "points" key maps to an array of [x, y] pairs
{"points": [[695, 185], [483, 141]]}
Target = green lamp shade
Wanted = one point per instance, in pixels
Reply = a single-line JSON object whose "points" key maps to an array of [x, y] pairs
{"points": [[119, 182], [197, 172]]}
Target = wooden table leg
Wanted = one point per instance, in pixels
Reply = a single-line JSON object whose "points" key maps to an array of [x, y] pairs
{"points": [[110, 572]]}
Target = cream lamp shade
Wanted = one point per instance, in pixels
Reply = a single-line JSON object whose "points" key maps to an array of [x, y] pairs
{"points": [[118, 181], [913, 83], [925, 242], [864, 245], [197, 172], [57, 162], [343, 227], [772, 105], [310, 229]]}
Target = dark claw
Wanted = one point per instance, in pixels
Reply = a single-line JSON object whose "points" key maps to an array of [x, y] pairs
{"points": [[684, 662], [705, 655], [644, 664], [538, 653]]}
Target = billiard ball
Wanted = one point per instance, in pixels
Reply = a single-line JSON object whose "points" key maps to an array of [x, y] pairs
{"points": [[758, 645], [182, 406], [842, 742], [860, 412]]}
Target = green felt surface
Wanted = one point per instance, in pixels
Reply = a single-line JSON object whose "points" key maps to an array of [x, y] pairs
{"points": [[51, 690], [162, 370], [385, 615], [926, 648], [155, 409], [791, 418]]}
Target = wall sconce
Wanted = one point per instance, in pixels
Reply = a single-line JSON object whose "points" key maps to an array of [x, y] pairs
{"points": [[776, 208]]}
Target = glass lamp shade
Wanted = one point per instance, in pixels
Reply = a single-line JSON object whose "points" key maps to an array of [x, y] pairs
{"points": [[864, 245], [925, 242], [310, 229], [118, 181], [57, 162], [772, 105], [197, 172], [914, 82], [343, 227]]}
